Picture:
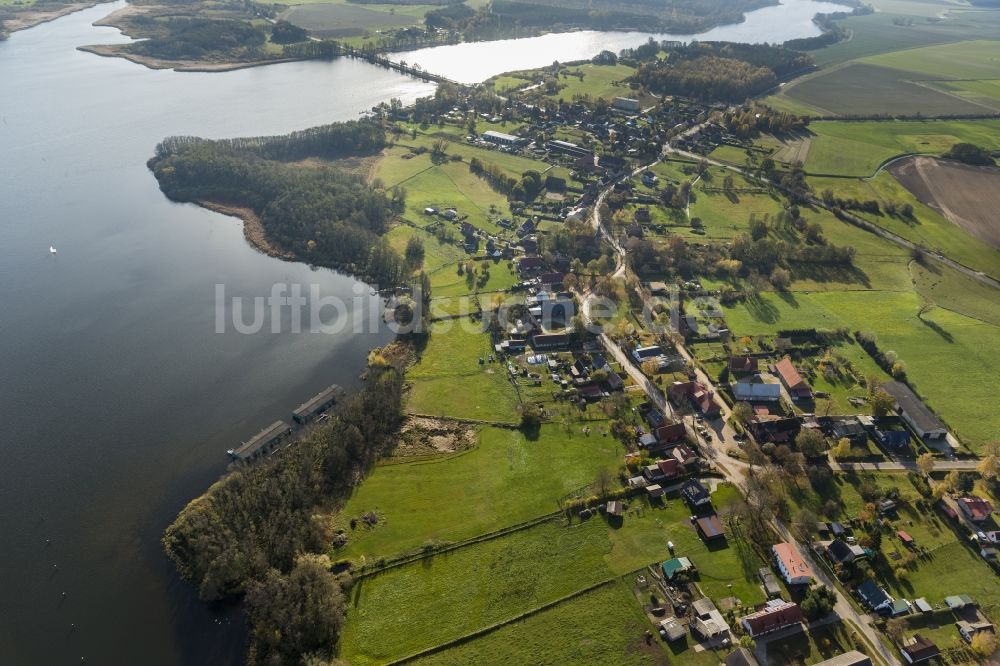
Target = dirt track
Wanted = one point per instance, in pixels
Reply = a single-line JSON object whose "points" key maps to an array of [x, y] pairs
{"points": [[967, 196]]}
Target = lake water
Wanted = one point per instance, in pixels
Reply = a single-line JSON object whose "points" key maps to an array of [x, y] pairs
{"points": [[474, 62], [117, 398]]}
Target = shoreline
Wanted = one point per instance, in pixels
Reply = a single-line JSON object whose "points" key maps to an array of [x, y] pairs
{"points": [[31, 18], [207, 67], [253, 228]]}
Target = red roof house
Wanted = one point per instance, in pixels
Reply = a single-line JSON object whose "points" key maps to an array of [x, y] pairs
{"points": [[776, 615], [975, 508], [671, 434]]}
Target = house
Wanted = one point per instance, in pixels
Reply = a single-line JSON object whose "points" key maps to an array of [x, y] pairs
{"points": [[839, 551], [918, 649], [790, 564], [684, 455], [662, 470], [905, 537], [741, 657], [893, 439], [852, 658], [923, 606], [874, 597], [900, 607], [647, 440], [696, 494], [654, 491], [571, 149], [711, 528], [849, 428], [775, 430], [975, 508], [975, 625], [796, 386], [700, 398], [743, 364], [677, 566], [749, 391], [708, 621], [529, 264], [674, 433], [915, 412], [770, 583], [775, 616], [541, 341]]}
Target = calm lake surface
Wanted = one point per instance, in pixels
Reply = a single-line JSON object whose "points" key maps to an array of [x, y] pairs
{"points": [[118, 398]]}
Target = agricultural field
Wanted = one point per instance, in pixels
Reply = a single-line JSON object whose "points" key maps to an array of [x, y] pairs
{"points": [[858, 148], [448, 379], [504, 480], [970, 60], [341, 18], [603, 626], [926, 227], [865, 89], [960, 344], [967, 196]]}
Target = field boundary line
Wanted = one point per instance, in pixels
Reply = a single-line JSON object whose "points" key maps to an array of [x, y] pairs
{"points": [[498, 625], [471, 541]]}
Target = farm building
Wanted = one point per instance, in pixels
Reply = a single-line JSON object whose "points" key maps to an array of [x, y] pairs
{"points": [[915, 412], [756, 391], [501, 139], [790, 564], [796, 386]]}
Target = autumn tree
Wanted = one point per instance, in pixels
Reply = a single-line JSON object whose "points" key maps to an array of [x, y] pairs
{"points": [[881, 402], [925, 461]]}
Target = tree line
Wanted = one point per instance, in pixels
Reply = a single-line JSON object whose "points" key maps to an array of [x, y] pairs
{"points": [[323, 215], [256, 532], [706, 78]]}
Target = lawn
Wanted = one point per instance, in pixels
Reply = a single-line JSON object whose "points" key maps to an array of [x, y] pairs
{"points": [[937, 347], [448, 380], [505, 480], [728, 215], [810, 647], [858, 148], [604, 626]]}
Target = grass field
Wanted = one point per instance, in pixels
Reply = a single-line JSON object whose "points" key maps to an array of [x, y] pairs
{"points": [[857, 148], [339, 18], [867, 89], [927, 227], [450, 595], [505, 480], [961, 345], [978, 59], [448, 380], [598, 81], [604, 626]]}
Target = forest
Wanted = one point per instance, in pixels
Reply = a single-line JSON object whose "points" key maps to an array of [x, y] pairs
{"points": [[319, 213], [256, 533], [706, 78]]}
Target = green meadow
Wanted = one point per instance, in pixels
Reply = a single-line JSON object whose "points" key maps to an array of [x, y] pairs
{"points": [[448, 379], [506, 479]]}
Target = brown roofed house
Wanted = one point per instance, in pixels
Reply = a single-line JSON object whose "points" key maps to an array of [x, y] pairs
{"points": [[790, 377]]}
